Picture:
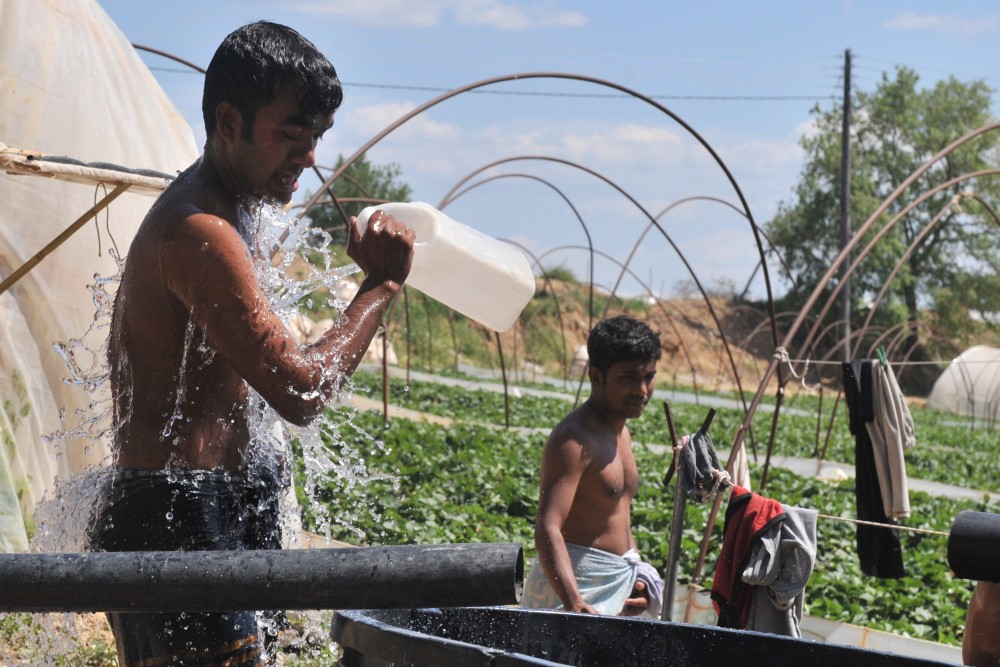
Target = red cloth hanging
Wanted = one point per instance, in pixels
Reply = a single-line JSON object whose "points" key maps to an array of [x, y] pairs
{"points": [[747, 515]]}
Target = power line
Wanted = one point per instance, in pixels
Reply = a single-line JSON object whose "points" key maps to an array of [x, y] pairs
{"points": [[921, 68], [435, 89]]}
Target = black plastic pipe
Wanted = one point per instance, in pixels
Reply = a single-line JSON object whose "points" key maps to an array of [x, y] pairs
{"points": [[448, 575], [973, 546]]}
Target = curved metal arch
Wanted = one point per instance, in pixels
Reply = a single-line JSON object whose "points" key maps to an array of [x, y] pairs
{"points": [[839, 261], [891, 334], [918, 240], [666, 236], [586, 79], [880, 233], [336, 201], [719, 200], [774, 366], [170, 56], [548, 282], [666, 314], [923, 233]]}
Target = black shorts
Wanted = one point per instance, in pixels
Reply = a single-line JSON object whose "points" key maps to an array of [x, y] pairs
{"points": [[189, 511]]}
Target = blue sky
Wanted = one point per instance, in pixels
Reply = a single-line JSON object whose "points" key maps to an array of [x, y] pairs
{"points": [[743, 75]]}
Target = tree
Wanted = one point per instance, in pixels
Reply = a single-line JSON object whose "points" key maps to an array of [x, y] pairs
{"points": [[895, 130], [361, 185]]}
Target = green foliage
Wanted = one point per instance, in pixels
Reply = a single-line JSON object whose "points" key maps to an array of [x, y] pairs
{"points": [[473, 405], [30, 639], [464, 483], [895, 129], [475, 482]]}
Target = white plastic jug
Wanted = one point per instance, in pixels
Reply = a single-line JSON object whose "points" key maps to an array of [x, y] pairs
{"points": [[481, 277]]}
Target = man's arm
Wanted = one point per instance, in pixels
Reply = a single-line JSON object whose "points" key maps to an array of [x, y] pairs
{"points": [[209, 268], [563, 465], [638, 599], [384, 253], [981, 644]]}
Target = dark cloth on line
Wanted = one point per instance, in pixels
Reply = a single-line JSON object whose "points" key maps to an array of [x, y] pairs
{"points": [[698, 462], [879, 549], [189, 510]]}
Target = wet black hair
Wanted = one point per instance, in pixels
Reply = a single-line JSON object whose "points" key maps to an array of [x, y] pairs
{"points": [[252, 65], [621, 338]]}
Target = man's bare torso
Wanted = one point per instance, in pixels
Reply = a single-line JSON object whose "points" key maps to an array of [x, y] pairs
{"points": [[187, 404], [600, 516]]}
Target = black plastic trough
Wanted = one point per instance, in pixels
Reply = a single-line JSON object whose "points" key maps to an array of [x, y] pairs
{"points": [[508, 637]]}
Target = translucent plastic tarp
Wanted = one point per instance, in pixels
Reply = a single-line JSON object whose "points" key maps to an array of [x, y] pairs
{"points": [[70, 85], [970, 385]]}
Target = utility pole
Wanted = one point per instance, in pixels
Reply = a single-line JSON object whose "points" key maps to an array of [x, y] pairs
{"points": [[845, 208]]}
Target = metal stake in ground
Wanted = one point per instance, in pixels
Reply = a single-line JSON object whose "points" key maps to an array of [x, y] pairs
{"points": [[676, 521], [680, 503]]}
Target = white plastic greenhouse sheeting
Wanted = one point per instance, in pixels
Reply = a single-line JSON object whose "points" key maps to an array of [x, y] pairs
{"points": [[70, 85], [970, 385]]}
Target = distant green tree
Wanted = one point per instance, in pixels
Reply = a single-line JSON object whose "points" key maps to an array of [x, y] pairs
{"points": [[895, 129], [361, 185]]}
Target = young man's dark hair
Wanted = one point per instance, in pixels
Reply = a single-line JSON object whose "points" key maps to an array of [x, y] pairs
{"points": [[255, 61], [621, 338]]}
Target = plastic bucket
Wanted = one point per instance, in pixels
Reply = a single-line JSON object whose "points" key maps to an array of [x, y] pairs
{"points": [[512, 636], [481, 277]]}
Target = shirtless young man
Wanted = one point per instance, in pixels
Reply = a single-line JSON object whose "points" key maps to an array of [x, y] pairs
{"points": [[587, 557], [186, 474]]}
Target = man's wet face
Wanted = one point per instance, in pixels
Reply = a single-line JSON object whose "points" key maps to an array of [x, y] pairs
{"points": [[284, 144]]}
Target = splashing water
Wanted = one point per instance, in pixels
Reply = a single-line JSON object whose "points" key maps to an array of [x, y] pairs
{"points": [[64, 517], [329, 463]]}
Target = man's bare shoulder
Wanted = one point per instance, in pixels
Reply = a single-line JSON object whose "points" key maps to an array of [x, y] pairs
{"points": [[189, 242], [572, 433], [192, 206], [189, 221]]}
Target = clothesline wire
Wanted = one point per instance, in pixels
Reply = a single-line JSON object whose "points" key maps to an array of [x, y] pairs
{"points": [[911, 529], [822, 362]]}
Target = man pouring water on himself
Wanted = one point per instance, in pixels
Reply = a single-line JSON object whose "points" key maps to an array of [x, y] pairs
{"points": [[193, 332], [587, 559]]}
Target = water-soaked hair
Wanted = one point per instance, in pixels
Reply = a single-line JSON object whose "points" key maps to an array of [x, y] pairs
{"points": [[252, 65], [621, 338]]}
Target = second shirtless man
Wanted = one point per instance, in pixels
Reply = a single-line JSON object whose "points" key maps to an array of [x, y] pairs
{"points": [[587, 559]]}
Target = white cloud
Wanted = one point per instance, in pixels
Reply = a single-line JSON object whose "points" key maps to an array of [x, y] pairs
{"points": [[806, 128], [624, 143], [762, 156], [949, 25], [514, 16], [370, 120], [430, 13], [381, 14]]}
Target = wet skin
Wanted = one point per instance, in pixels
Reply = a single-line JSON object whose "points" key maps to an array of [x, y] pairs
{"points": [[589, 478], [188, 261]]}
